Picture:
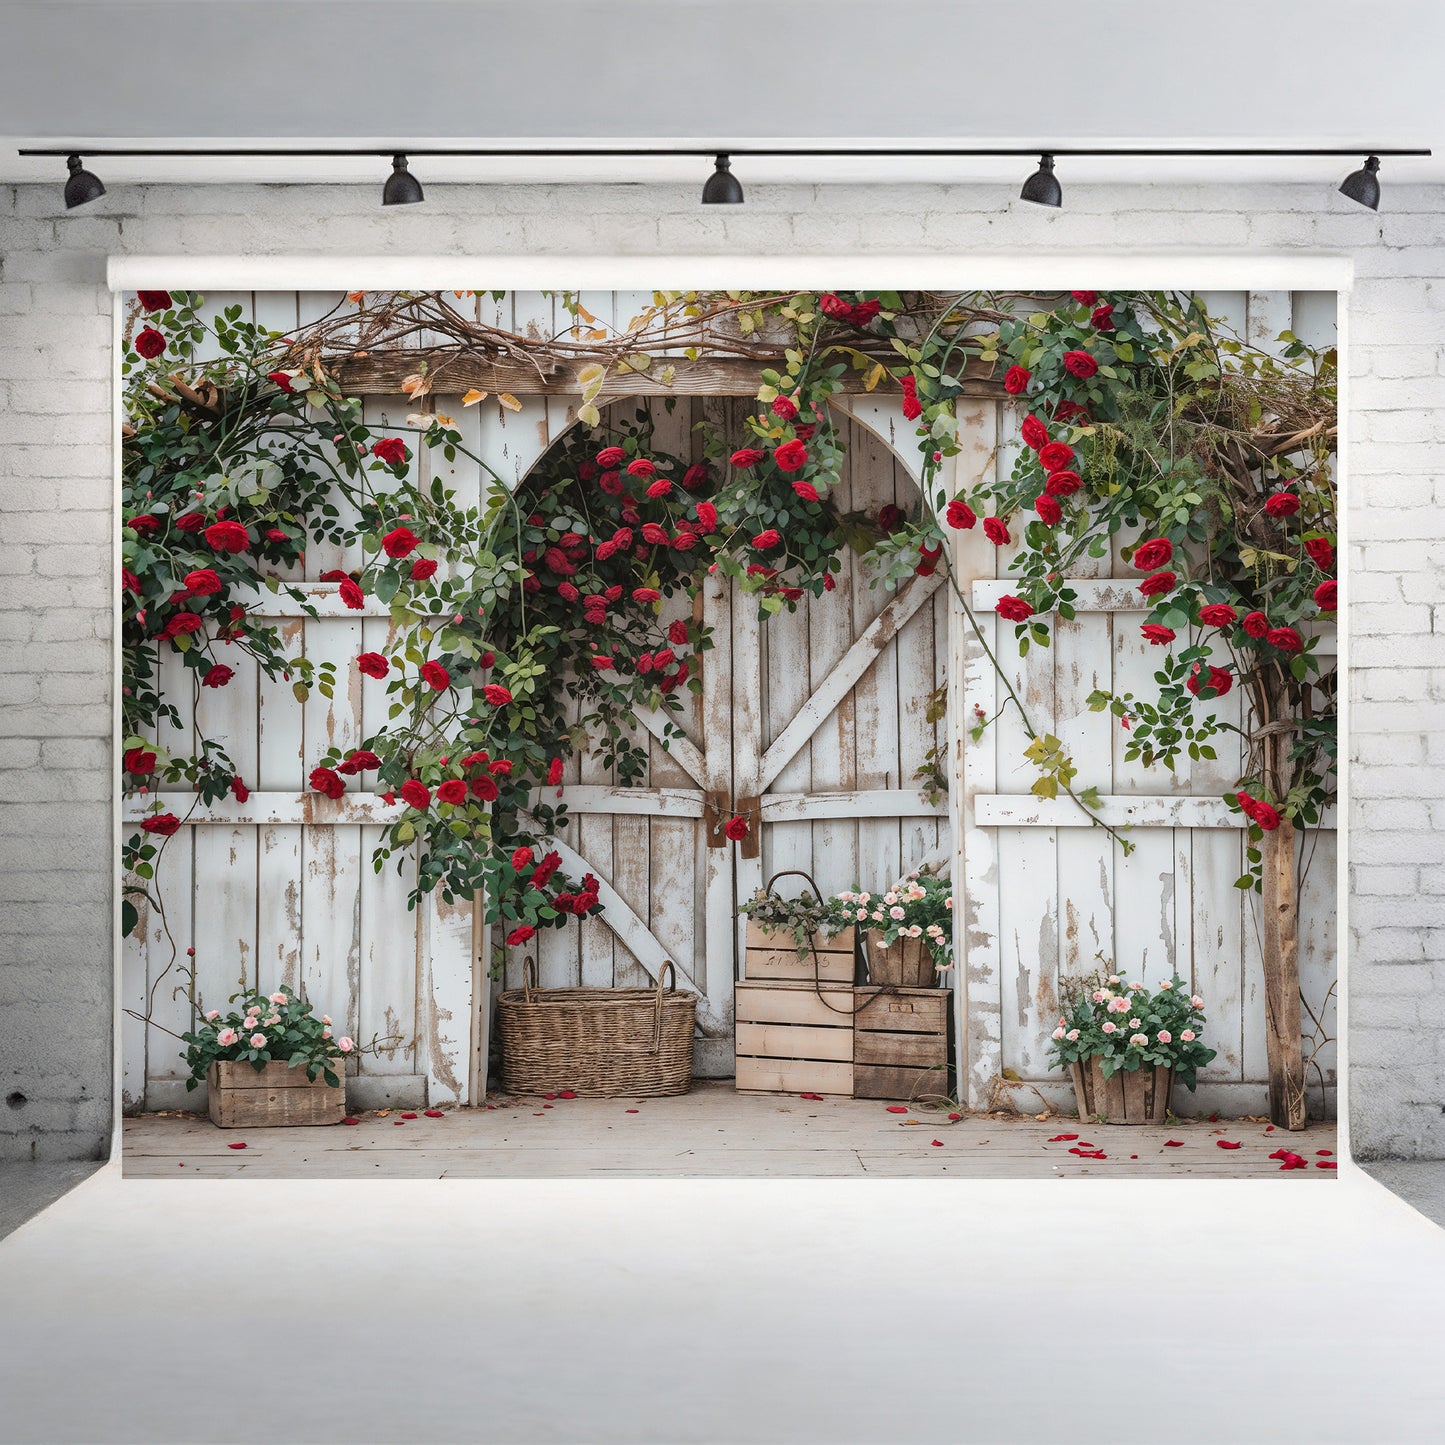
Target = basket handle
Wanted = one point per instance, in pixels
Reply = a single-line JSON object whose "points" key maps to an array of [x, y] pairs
{"points": [[670, 972], [795, 873], [529, 977]]}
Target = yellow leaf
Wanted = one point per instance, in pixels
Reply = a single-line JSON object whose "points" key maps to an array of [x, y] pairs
{"points": [[874, 377], [473, 396], [509, 401], [445, 420], [415, 385], [590, 374], [589, 415]]}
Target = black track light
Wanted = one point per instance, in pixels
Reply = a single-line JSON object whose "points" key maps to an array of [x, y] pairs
{"points": [[82, 186], [1363, 185], [722, 188], [402, 188], [1042, 188]]}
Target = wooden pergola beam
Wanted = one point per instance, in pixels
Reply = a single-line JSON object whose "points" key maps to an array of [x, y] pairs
{"points": [[380, 373]]}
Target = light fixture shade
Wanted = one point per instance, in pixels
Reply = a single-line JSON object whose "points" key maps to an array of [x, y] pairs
{"points": [[1363, 185], [1042, 188], [82, 186], [402, 188], [722, 188]]}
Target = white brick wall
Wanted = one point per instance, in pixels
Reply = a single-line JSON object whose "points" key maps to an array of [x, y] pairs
{"points": [[55, 546]]}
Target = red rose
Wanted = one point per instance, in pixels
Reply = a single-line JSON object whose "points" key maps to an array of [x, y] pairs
{"points": [[128, 580], [651, 532], [585, 903], [611, 483], [334, 575], [790, 455], [282, 379], [228, 537], [1285, 638], [328, 781], [521, 933], [554, 772], [707, 516], [601, 662], [996, 530], [805, 433], [150, 343], [239, 791], [145, 524], [363, 758], [806, 490], [1158, 635], [373, 664], [557, 561], [646, 594], [1063, 410], [496, 694], [1158, 584], [1266, 816], [864, 312], [785, 408], [416, 795], [203, 582], [435, 676], [181, 623], [1102, 319], [1034, 432], [1327, 596], [163, 823], [1080, 364], [1055, 456], [1320, 552], [391, 450], [890, 518], [217, 675], [746, 457], [685, 541], [275, 534], [1048, 509], [610, 457], [567, 592], [352, 595], [399, 542], [485, 789], [694, 477], [587, 471], [622, 538], [1085, 298], [452, 791], [736, 828], [422, 568], [139, 761], [1216, 680], [834, 306], [912, 408], [521, 858], [1016, 380], [1013, 609], [1218, 614], [191, 521], [660, 488], [488, 658], [959, 514], [766, 541], [1282, 504], [1063, 484], [154, 300], [1256, 624], [677, 632], [641, 468]]}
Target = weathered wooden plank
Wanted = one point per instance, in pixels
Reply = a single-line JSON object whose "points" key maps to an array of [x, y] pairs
{"points": [[800, 1004], [882, 414], [446, 1025], [455, 371], [839, 682], [681, 749], [811, 1076], [1136, 810], [794, 1041], [876, 803]]}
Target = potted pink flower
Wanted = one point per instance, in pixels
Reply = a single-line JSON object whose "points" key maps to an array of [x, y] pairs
{"points": [[910, 930]]}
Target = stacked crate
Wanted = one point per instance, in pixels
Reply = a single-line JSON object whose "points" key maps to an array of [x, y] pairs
{"points": [[804, 1028]]}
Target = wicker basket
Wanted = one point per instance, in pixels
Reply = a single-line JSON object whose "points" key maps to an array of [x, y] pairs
{"points": [[601, 1043]]}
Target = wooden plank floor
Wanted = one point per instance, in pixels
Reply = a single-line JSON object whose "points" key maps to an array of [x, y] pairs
{"points": [[711, 1133]]}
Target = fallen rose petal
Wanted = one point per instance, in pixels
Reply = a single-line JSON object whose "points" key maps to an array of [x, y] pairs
{"points": [[491, 1106], [954, 1118], [546, 1106], [567, 1094], [398, 1122], [409, 1115], [1280, 1154], [235, 1146], [539, 1115], [1326, 1164], [1214, 1118], [1084, 1144], [937, 1143], [181, 1165], [549, 1096], [632, 1111], [1061, 1138], [1325, 1152], [1174, 1143], [435, 1114], [1226, 1144], [811, 1096], [1269, 1128], [897, 1108], [350, 1120]]}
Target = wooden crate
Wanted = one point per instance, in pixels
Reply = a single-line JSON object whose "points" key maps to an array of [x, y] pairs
{"points": [[790, 1041], [774, 956], [240, 1097], [900, 1042]]}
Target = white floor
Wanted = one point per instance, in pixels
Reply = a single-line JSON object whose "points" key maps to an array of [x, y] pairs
{"points": [[761, 1310]]}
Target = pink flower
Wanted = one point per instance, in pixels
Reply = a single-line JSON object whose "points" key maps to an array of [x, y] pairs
{"points": [[1138, 1040], [325, 1033], [258, 1041], [213, 1015], [227, 1037], [1133, 1023], [1058, 1034], [1098, 995], [1072, 1036], [271, 1019], [1165, 1037], [1111, 1027], [914, 930], [896, 911], [1119, 1006], [326, 1018], [1188, 1036], [276, 998], [1196, 1001], [345, 1045]]}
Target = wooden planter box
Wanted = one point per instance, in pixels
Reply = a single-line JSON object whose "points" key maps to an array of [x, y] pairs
{"points": [[243, 1098], [774, 956], [790, 1041], [1137, 1097], [906, 962], [900, 1042]]}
